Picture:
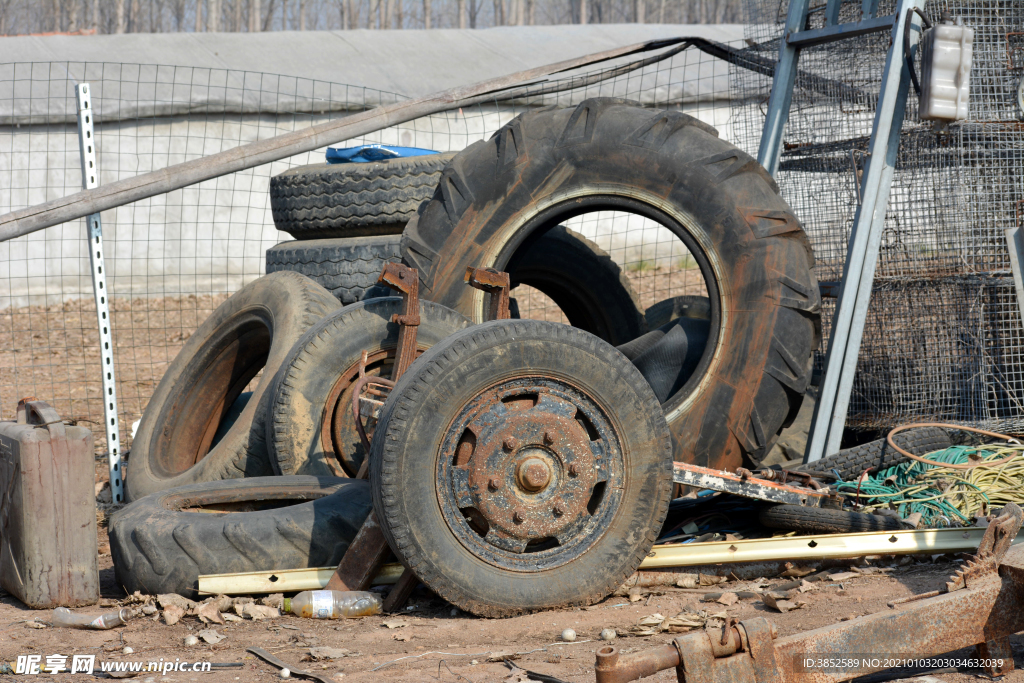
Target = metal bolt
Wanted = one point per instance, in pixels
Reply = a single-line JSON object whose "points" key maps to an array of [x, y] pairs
{"points": [[574, 470], [509, 443], [517, 517], [558, 510], [494, 484], [548, 439]]}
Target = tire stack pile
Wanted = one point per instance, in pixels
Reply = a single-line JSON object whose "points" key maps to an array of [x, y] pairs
{"points": [[252, 421]]}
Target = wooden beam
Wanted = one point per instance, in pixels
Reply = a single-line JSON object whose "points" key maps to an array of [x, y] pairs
{"points": [[109, 196]]}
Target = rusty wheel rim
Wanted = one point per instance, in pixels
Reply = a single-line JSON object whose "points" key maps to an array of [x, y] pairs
{"points": [[531, 474], [338, 436]]}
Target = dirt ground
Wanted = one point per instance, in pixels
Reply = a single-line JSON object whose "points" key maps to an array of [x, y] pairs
{"points": [[440, 643]]}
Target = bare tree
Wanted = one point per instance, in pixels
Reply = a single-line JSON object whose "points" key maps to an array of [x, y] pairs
{"points": [[583, 11], [427, 14]]}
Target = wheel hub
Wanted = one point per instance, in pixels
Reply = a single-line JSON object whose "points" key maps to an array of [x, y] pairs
{"points": [[532, 469]]}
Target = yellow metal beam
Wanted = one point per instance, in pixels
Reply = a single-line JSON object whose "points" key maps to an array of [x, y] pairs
{"points": [[789, 548], [820, 547], [283, 581]]}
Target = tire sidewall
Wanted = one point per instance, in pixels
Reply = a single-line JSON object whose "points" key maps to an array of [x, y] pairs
{"points": [[283, 302], [316, 362]]}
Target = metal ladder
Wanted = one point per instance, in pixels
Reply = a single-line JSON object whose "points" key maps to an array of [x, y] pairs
{"points": [[865, 238]]}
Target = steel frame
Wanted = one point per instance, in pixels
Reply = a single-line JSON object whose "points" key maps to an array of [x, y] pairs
{"points": [[862, 254]]}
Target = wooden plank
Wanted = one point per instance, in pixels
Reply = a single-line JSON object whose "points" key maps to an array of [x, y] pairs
{"points": [[80, 204], [399, 595]]}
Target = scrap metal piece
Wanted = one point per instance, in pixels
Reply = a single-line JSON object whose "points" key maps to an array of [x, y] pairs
{"points": [[497, 284], [745, 484], [405, 281], [987, 609], [281, 664]]}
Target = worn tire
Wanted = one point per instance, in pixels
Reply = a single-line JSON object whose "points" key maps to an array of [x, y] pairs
{"points": [[546, 166], [824, 520], [412, 449], [584, 282], [253, 329], [347, 268], [352, 200], [288, 523], [877, 455], [302, 390], [686, 306]]}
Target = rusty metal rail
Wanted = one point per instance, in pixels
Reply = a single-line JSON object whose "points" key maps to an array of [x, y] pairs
{"points": [[981, 605], [745, 483]]}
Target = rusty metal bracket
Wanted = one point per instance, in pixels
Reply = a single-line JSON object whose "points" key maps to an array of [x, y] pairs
{"points": [[405, 281], [982, 610], [497, 284]]}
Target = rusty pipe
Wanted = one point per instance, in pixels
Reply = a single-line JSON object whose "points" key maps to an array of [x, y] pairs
{"points": [[613, 667]]}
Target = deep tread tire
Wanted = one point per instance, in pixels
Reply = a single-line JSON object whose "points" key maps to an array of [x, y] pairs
{"points": [[254, 328], [546, 166], [157, 547], [582, 279], [314, 365], [405, 451], [347, 268], [351, 200], [851, 462], [825, 520]]}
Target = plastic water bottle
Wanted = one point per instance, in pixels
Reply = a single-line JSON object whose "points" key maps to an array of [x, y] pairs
{"points": [[333, 604]]}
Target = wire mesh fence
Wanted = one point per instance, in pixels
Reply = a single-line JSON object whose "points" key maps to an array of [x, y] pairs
{"points": [[942, 338], [173, 258]]}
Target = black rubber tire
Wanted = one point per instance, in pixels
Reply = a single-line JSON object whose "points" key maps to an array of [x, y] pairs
{"points": [[686, 306], [290, 523], [547, 166], [405, 459], [253, 329], [851, 462], [315, 364], [585, 283], [347, 268], [351, 200], [824, 520]]}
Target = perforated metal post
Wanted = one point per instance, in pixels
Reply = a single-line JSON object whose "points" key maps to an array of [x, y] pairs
{"points": [[94, 232]]}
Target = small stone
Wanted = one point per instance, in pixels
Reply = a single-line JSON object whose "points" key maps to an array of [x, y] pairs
{"points": [[149, 609], [474, 662], [191, 641], [285, 673], [568, 635], [127, 650], [608, 634]]}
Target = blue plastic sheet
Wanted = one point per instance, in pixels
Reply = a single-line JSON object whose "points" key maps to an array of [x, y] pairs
{"points": [[366, 153]]}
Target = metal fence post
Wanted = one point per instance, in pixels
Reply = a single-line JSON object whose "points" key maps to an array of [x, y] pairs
{"points": [[94, 233]]}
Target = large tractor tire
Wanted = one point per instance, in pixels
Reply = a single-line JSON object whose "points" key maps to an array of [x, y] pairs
{"points": [[521, 465], [311, 429], [252, 331], [544, 167], [163, 542], [353, 200]]}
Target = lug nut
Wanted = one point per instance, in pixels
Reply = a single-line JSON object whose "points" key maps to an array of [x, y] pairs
{"points": [[509, 443], [494, 484], [517, 517], [558, 510], [574, 470], [548, 439]]}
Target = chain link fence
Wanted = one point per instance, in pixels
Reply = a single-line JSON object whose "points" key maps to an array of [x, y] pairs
{"points": [[173, 258], [943, 336]]}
